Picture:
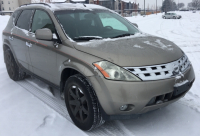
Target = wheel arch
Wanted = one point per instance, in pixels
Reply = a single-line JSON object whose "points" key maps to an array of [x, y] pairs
{"points": [[65, 74], [7, 46]]}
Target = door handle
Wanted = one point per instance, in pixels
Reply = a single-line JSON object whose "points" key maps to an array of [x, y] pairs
{"points": [[28, 44], [11, 38]]}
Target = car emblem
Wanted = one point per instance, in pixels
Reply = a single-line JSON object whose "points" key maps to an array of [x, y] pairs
{"points": [[177, 69]]}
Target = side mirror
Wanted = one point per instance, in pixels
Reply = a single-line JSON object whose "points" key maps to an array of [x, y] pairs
{"points": [[135, 24], [44, 34]]}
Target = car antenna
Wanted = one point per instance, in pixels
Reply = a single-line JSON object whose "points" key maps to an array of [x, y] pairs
{"points": [[84, 5]]}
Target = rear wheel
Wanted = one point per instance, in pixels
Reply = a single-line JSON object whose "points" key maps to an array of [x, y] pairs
{"points": [[14, 72], [82, 103]]}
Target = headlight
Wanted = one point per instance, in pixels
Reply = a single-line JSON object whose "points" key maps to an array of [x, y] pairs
{"points": [[114, 72]]}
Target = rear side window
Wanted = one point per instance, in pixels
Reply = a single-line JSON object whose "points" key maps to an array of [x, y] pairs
{"points": [[24, 19], [42, 20], [15, 15]]}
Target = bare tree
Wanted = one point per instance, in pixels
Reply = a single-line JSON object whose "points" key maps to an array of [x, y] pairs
{"points": [[180, 5], [174, 6], [169, 5], [190, 5], [195, 3]]}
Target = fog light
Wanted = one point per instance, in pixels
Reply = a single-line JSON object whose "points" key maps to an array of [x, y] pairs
{"points": [[123, 107]]}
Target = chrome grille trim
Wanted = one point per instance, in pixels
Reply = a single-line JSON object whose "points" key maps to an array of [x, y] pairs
{"points": [[162, 71]]}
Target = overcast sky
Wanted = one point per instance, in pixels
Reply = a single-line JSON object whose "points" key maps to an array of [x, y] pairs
{"points": [[152, 2]]}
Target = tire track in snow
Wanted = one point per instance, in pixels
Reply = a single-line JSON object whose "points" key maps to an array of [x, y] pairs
{"points": [[111, 128], [190, 103]]}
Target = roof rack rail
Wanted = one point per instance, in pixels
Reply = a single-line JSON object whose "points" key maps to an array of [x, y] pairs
{"points": [[36, 3]]}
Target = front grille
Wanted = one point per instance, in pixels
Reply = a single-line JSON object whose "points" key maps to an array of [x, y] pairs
{"points": [[163, 71]]}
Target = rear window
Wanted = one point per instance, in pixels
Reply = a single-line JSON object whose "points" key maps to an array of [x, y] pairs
{"points": [[24, 19]]}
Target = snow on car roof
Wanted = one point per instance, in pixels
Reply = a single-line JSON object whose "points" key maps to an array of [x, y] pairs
{"points": [[71, 6], [59, 6]]}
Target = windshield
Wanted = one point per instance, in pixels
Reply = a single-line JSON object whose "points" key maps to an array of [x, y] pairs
{"points": [[95, 24]]}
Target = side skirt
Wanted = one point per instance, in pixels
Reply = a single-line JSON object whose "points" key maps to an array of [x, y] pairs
{"points": [[40, 78]]}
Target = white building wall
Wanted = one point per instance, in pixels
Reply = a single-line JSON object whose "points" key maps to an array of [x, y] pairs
{"points": [[22, 2], [9, 5]]}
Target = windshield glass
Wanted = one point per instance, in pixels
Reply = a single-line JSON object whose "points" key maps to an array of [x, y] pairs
{"points": [[95, 24]]}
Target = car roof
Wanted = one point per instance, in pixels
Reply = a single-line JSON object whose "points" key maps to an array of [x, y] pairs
{"points": [[64, 6]]}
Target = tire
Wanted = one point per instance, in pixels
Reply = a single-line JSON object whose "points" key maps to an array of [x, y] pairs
{"points": [[82, 103], [164, 17], [14, 72], [174, 17]]}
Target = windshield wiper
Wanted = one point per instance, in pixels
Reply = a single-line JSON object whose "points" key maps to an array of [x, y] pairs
{"points": [[123, 35], [87, 38]]}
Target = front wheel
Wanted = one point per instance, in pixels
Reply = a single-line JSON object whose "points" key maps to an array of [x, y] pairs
{"points": [[82, 103], [164, 17]]}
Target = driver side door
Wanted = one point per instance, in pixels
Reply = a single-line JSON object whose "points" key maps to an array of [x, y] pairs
{"points": [[42, 52]]}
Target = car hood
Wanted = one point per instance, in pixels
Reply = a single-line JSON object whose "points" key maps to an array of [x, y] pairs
{"points": [[137, 50]]}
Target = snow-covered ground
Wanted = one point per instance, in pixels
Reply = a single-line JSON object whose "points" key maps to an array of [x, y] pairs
{"points": [[28, 107]]}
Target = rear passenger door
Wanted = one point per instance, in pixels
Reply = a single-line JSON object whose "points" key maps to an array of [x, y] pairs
{"points": [[42, 53], [20, 39]]}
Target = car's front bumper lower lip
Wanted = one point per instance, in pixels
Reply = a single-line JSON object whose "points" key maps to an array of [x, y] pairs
{"points": [[113, 94]]}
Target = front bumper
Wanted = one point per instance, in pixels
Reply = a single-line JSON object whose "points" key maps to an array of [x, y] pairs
{"points": [[113, 94]]}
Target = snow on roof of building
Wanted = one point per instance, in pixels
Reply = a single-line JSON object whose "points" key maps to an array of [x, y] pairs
{"points": [[127, 1], [58, 0], [37, 1], [77, 0]]}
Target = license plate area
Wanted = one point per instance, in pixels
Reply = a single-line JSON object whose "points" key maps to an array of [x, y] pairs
{"points": [[181, 89]]}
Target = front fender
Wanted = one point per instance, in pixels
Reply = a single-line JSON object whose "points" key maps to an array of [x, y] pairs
{"points": [[71, 58]]}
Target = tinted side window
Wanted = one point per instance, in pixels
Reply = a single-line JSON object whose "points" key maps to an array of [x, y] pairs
{"points": [[24, 19], [42, 20]]}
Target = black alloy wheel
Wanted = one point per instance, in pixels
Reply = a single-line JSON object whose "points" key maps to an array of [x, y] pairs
{"points": [[78, 103], [82, 104]]}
